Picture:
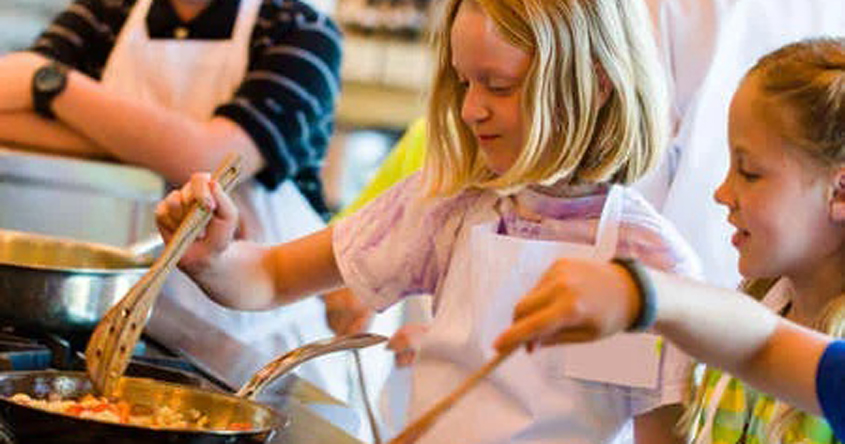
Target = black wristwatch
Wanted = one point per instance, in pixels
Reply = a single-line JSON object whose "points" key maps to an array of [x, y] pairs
{"points": [[48, 82]]}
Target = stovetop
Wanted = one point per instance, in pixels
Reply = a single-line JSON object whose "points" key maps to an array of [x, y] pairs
{"points": [[27, 351]]}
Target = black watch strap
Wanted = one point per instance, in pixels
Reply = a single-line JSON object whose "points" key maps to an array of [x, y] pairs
{"points": [[648, 299], [47, 83]]}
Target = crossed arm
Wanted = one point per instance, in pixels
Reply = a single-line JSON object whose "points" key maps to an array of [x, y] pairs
{"points": [[93, 122]]}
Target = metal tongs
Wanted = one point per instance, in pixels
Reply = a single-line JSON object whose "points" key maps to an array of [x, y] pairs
{"points": [[110, 347]]}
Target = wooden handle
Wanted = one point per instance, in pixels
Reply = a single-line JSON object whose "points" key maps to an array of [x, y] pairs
{"points": [[198, 216], [416, 429], [110, 346]]}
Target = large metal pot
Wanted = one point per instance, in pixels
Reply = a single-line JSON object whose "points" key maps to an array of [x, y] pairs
{"points": [[49, 283], [28, 425]]}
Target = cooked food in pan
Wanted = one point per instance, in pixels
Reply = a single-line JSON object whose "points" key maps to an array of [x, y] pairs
{"points": [[121, 412]]}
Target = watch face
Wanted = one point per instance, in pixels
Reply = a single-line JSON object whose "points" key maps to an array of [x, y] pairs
{"points": [[49, 78]]}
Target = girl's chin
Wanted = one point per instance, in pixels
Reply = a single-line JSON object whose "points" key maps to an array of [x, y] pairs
{"points": [[751, 270], [497, 170], [497, 166]]}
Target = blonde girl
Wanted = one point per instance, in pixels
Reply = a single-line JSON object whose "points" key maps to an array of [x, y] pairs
{"points": [[540, 112], [787, 137]]}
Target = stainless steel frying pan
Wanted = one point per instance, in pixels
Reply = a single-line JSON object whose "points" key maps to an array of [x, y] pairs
{"points": [[61, 285], [29, 425]]}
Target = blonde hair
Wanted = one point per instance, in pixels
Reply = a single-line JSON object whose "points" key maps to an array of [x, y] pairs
{"points": [[807, 79], [573, 43]]}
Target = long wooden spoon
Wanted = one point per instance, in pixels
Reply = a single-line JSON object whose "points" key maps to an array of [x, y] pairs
{"points": [[413, 431], [110, 347]]}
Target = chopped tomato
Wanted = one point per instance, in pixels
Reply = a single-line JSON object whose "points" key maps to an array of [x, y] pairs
{"points": [[75, 410], [99, 408]]}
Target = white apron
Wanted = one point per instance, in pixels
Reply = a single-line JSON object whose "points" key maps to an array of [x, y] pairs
{"points": [[528, 398], [194, 77]]}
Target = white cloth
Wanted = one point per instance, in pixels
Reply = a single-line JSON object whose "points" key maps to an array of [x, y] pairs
{"points": [[687, 32], [194, 77], [528, 398]]}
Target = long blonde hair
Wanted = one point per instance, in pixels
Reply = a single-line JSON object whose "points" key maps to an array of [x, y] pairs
{"points": [[806, 80], [573, 43]]}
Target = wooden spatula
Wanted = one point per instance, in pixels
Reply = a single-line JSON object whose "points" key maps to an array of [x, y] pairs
{"points": [[413, 431], [110, 347]]}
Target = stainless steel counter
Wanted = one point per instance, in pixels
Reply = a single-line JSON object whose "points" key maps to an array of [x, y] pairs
{"points": [[80, 199]]}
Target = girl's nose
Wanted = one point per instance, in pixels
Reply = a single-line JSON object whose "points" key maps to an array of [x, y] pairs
{"points": [[474, 109], [723, 194]]}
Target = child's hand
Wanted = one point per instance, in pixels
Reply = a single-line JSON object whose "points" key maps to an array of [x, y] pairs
{"points": [[345, 313], [575, 301], [220, 230], [406, 342]]}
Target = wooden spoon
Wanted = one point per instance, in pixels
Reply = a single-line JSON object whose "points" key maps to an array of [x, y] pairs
{"points": [[111, 345], [413, 431]]}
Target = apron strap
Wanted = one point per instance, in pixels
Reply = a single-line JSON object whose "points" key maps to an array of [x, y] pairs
{"points": [[607, 232], [705, 435], [779, 296], [248, 12], [137, 20]]}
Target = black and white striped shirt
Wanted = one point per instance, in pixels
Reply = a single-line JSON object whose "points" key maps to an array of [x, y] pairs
{"points": [[285, 103]]}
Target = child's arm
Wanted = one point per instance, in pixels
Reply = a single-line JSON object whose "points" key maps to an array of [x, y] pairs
{"points": [[586, 300], [240, 274]]}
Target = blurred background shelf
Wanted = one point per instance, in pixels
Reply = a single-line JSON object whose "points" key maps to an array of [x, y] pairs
{"points": [[383, 81], [365, 105]]}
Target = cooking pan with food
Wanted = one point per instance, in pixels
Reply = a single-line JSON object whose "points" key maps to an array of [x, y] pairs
{"points": [[228, 419], [61, 285]]}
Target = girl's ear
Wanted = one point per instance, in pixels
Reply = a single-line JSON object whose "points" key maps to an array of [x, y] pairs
{"points": [[837, 201]]}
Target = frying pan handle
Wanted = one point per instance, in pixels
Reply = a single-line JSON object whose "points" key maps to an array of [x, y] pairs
{"points": [[288, 361]]}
